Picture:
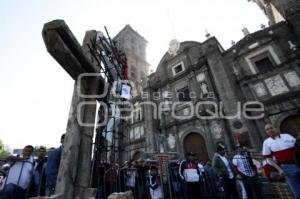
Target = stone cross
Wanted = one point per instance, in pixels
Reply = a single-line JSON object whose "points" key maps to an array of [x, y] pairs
{"points": [[74, 173]]}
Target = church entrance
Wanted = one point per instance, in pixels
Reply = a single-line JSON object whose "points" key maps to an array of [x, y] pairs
{"points": [[194, 142], [291, 125]]}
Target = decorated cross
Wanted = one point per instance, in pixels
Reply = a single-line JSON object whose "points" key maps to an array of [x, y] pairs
{"points": [[74, 173]]}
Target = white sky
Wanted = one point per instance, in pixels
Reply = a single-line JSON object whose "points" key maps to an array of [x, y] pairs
{"points": [[36, 92]]}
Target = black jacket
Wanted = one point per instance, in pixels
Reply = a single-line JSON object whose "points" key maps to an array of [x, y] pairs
{"points": [[221, 168]]}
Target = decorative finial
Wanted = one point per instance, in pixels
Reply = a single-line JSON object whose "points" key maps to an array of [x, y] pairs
{"points": [[245, 31], [207, 34], [174, 46], [235, 70], [262, 26]]}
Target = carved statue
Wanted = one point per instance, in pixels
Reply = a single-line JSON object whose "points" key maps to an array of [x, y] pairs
{"points": [[204, 88], [171, 141]]}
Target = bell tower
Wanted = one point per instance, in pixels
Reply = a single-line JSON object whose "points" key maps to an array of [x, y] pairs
{"points": [[278, 10], [286, 8]]}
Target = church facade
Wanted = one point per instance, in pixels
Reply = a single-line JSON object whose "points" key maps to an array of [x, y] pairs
{"points": [[201, 94]]}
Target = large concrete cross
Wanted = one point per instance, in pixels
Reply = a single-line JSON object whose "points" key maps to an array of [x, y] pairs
{"points": [[74, 174]]}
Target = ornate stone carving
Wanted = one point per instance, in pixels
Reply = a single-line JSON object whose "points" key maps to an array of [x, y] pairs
{"points": [[200, 77], [171, 141], [204, 88], [292, 78], [174, 47], [137, 132], [276, 85], [216, 130], [260, 89]]}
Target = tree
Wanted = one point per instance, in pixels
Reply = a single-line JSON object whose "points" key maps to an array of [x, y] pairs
{"points": [[36, 149], [3, 152]]}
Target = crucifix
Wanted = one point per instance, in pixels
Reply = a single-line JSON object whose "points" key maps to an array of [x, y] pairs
{"points": [[75, 167]]}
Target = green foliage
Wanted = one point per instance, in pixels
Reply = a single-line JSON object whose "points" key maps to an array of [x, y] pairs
{"points": [[3, 152], [36, 149]]}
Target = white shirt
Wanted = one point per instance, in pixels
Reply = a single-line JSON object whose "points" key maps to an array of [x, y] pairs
{"points": [[20, 173], [201, 168], [230, 173], [281, 147]]}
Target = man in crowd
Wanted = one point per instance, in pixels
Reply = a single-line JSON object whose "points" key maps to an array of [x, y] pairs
{"points": [[52, 168], [190, 174], [19, 176], [155, 187], [39, 173], [226, 172], [200, 165], [246, 171], [141, 168], [282, 148], [211, 178]]}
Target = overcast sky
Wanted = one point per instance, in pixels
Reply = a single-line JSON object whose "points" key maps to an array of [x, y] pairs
{"points": [[36, 92]]}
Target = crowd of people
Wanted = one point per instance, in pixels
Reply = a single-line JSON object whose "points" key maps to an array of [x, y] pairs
{"points": [[221, 176], [28, 176], [234, 176]]}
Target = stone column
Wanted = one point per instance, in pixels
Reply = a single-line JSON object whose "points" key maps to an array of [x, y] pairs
{"points": [[74, 174], [149, 123]]}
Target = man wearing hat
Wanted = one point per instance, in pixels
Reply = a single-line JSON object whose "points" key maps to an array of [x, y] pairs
{"points": [[225, 171], [190, 175]]}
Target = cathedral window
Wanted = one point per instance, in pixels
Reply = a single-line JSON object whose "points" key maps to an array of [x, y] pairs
{"points": [[263, 60], [178, 68], [264, 65]]}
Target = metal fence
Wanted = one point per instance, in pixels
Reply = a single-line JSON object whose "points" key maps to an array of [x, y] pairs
{"points": [[137, 179]]}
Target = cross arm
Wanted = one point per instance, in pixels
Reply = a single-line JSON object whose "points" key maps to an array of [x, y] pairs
{"points": [[65, 49]]}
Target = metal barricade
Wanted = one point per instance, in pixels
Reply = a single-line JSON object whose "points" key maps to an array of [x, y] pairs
{"points": [[121, 179], [176, 188], [209, 184], [137, 179]]}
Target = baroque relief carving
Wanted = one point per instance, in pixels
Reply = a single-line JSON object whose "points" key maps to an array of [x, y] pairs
{"points": [[276, 85], [216, 130], [171, 141], [292, 78], [260, 89]]}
